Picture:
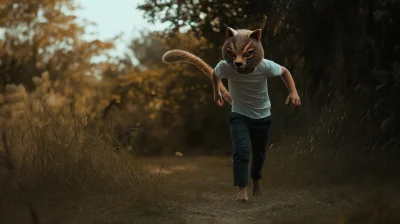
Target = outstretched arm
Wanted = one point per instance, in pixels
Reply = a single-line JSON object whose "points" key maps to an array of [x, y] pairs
{"points": [[293, 97]]}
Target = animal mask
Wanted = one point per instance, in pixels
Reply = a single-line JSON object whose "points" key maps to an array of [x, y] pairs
{"points": [[243, 49]]}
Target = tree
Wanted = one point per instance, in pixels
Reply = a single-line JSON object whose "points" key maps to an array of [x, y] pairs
{"points": [[45, 35], [208, 19]]}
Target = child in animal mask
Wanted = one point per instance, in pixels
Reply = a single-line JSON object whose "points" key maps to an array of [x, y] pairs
{"points": [[247, 71]]}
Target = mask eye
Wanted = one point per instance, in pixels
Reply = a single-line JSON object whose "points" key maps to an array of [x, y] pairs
{"points": [[231, 54], [248, 54]]}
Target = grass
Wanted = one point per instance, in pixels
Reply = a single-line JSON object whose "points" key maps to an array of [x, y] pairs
{"points": [[333, 149], [48, 148], [58, 164], [55, 141], [68, 156]]}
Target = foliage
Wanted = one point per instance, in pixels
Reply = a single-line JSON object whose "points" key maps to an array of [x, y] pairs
{"points": [[348, 54], [51, 142], [207, 19], [51, 92], [164, 97], [44, 36], [337, 52]]}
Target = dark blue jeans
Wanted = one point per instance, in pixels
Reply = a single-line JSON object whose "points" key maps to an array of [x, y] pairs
{"points": [[245, 130]]}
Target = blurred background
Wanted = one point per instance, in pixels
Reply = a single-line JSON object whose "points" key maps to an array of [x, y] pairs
{"points": [[94, 68]]}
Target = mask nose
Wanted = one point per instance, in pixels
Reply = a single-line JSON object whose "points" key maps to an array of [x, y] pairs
{"points": [[238, 64]]}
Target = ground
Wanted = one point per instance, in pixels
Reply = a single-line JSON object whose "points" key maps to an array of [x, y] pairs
{"points": [[192, 190]]}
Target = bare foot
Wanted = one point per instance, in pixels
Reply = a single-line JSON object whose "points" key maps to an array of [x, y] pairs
{"points": [[257, 188], [242, 195]]}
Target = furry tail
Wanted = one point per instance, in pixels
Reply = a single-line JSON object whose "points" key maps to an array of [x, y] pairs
{"points": [[174, 56]]}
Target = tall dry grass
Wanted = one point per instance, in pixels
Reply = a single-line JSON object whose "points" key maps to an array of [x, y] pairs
{"points": [[49, 144], [331, 150]]}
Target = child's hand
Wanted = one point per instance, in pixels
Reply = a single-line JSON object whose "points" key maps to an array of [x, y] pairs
{"points": [[227, 98], [293, 99], [218, 99]]}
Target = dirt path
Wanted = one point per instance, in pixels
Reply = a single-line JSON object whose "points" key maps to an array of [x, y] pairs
{"points": [[195, 190], [200, 191]]}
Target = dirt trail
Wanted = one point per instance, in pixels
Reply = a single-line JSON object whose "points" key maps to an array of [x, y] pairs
{"points": [[200, 191], [195, 190]]}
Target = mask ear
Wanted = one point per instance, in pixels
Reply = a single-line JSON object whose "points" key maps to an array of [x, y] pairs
{"points": [[230, 32], [256, 34]]}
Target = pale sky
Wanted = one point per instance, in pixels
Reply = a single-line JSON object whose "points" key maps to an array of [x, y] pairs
{"points": [[116, 16]]}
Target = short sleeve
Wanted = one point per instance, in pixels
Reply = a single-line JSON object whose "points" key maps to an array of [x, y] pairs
{"points": [[271, 68], [220, 69]]}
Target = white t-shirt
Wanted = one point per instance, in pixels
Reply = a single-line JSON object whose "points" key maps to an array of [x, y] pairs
{"points": [[249, 92]]}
